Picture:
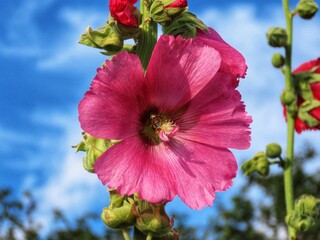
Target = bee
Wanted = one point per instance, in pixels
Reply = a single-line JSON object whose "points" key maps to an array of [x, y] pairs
{"points": [[156, 122]]}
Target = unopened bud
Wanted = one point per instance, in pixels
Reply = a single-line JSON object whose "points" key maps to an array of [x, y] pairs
{"points": [[120, 212], [273, 150], [306, 9], [259, 163], [164, 11], [94, 148], [154, 220], [277, 37], [278, 60], [306, 213], [287, 97]]}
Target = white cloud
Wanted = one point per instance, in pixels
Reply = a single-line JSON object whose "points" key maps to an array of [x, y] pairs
{"points": [[68, 186]]}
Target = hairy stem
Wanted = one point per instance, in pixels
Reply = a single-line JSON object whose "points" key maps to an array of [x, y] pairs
{"points": [[148, 34], [288, 178]]}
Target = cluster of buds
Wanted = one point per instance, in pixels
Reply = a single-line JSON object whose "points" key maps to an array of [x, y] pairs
{"points": [[260, 162], [150, 219], [306, 213], [125, 20]]}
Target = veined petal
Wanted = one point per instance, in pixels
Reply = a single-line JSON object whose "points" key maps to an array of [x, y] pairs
{"points": [[216, 116], [133, 166], [190, 170], [178, 70], [231, 60], [112, 107]]}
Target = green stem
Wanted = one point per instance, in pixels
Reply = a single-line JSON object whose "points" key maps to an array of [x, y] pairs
{"points": [[125, 234], [149, 237], [288, 178], [148, 34], [146, 41]]}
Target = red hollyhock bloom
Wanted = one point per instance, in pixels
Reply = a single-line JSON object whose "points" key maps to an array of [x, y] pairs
{"points": [[178, 4], [123, 12], [315, 88]]}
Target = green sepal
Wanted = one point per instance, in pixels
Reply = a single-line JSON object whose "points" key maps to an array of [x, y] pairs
{"points": [[302, 82], [102, 38], [304, 110], [122, 31], [160, 14], [127, 47], [185, 25], [306, 213], [314, 78]]}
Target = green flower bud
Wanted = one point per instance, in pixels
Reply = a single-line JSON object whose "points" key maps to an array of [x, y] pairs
{"points": [[103, 38], [277, 37], [259, 163], [288, 97], [273, 150], [278, 60], [306, 9], [185, 25], [306, 213], [94, 148], [120, 213], [162, 13], [154, 220]]}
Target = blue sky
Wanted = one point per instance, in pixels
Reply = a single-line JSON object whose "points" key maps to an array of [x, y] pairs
{"points": [[45, 73]]}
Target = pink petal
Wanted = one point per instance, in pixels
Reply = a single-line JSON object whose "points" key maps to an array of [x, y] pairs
{"points": [[178, 70], [231, 60], [216, 116], [191, 170], [112, 107]]}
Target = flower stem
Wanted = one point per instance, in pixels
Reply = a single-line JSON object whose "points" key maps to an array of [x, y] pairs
{"points": [[146, 41], [149, 237], [125, 234], [148, 34], [288, 178]]}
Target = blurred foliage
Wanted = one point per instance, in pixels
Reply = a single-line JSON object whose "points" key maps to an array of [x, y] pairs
{"points": [[257, 212]]}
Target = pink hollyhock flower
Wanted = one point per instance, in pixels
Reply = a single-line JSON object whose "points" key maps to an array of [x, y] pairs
{"points": [[176, 122], [178, 4], [315, 88], [123, 12]]}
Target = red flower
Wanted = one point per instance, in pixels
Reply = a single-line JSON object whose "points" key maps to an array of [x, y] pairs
{"points": [[123, 12], [178, 4], [315, 88]]}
